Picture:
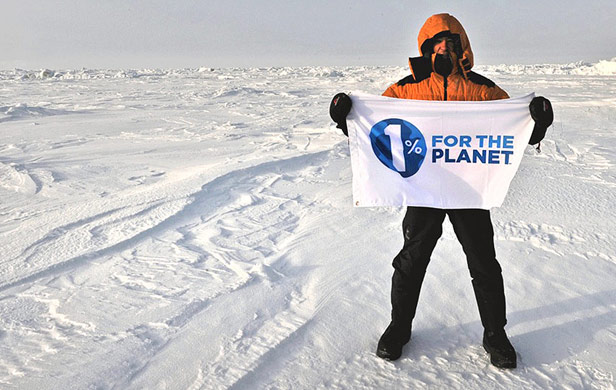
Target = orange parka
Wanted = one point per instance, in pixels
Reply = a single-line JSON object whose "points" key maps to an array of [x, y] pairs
{"points": [[461, 84]]}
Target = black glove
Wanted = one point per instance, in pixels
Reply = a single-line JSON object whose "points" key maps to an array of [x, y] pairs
{"points": [[339, 109], [543, 115], [541, 111]]}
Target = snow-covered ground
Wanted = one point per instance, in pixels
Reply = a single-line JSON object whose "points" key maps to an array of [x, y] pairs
{"points": [[194, 229]]}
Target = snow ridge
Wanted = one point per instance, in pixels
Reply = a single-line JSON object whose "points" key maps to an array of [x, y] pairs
{"points": [[601, 68], [582, 68]]}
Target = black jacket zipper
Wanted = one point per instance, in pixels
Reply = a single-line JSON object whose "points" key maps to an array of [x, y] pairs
{"points": [[445, 87]]}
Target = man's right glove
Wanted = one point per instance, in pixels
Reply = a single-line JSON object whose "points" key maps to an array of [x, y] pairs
{"points": [[339, 109], [543, 115]]}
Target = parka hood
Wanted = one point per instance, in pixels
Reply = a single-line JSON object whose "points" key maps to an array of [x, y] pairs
{"points": [[446, 25]]}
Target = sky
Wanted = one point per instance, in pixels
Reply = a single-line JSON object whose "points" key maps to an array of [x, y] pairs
{"points": [[72, 34]]}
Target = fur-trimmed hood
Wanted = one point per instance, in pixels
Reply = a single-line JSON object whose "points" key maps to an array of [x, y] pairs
{"points": [[441, 25]]}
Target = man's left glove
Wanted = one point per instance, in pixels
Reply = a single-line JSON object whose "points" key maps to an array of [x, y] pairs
{"points": [[339, 109], [543, 115]]}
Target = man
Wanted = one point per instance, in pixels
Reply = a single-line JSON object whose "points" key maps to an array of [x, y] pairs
{"points": [[443, 72]]}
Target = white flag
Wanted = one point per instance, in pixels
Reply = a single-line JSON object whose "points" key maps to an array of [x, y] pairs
{"points": [[443, 154]]}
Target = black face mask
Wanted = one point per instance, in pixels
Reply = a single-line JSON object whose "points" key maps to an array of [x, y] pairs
{"points": [[443, 64]]}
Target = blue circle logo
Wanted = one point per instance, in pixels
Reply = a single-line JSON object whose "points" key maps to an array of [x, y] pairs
{"points": [[399, 145]]}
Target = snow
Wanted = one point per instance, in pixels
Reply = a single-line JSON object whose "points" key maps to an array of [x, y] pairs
{"points": [[194, 229], [601, 68]]}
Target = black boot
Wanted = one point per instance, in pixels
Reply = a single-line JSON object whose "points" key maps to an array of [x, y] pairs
{"points": [[497, 345], [392, 341]]}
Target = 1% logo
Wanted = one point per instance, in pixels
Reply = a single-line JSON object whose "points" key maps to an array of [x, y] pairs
{"points": [[399, 145]]}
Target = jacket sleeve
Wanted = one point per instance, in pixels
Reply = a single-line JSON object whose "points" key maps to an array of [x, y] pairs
{"points": [[391, 91], [496, 93]]}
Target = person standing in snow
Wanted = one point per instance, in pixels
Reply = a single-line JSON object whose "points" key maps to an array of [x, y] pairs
{"points": [[443, 72]]}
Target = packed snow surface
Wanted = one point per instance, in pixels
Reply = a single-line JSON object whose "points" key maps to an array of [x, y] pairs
{"points": [[194, 229]]}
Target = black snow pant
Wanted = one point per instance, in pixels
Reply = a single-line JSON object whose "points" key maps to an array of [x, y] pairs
{"points": [[422, 228]]}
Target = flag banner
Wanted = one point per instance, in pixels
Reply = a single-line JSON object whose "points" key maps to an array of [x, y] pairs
{"points": [[443, 154]]}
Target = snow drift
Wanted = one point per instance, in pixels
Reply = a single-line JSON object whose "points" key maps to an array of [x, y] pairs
{"points": [[194, 229]]}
